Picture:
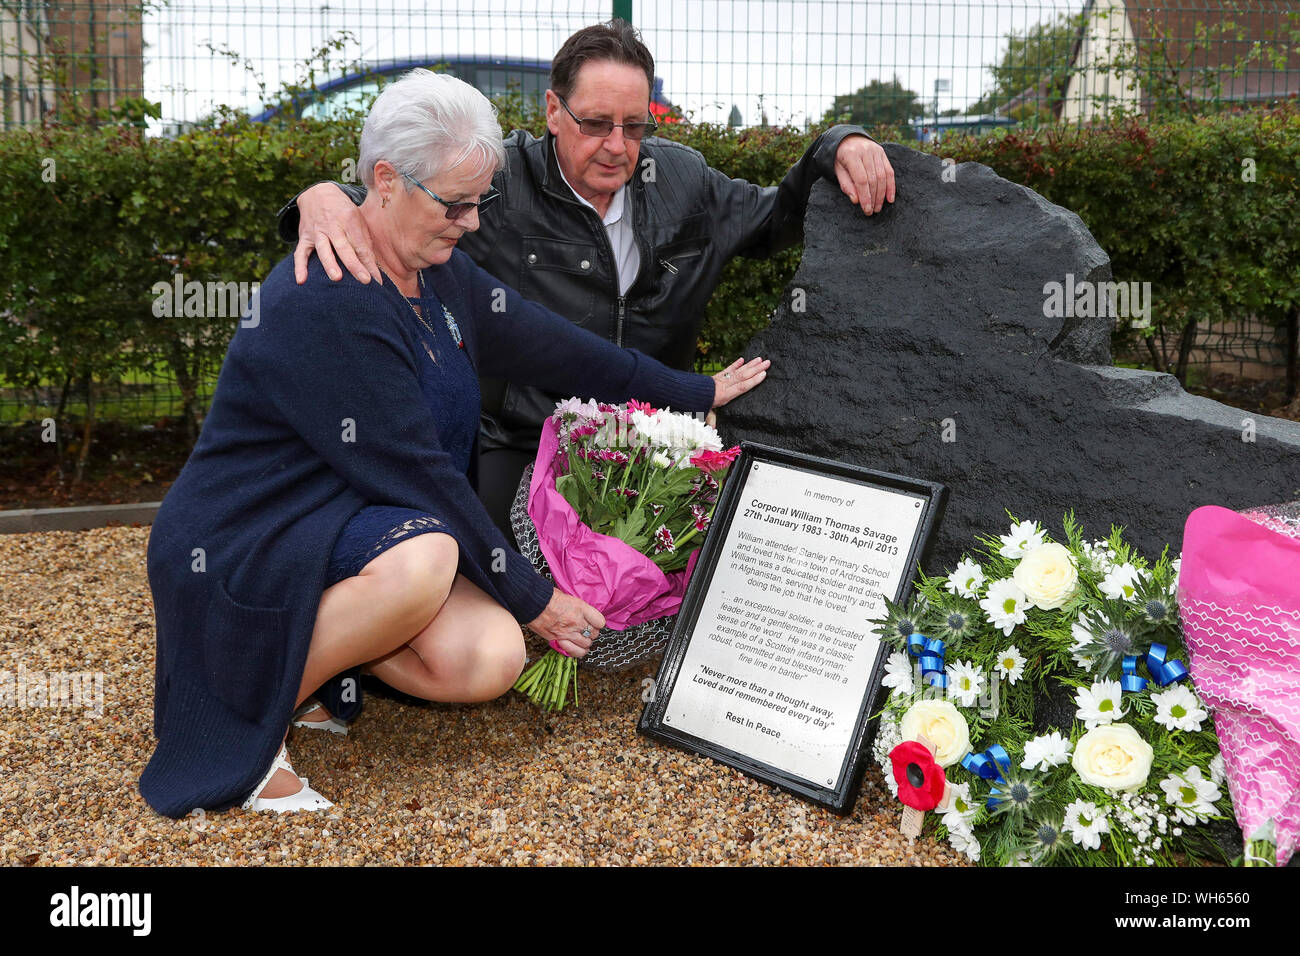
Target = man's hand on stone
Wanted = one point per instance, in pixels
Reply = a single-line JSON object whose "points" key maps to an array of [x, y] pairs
{"points": [[864, 173], [738, 378], [330, 223]]}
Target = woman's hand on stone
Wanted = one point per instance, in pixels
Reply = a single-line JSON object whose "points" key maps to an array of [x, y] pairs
{"points": [[568, 623], [331, 224], [738, 378]]}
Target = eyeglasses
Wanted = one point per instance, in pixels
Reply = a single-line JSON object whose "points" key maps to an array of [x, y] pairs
{"points": [[456, 210], [603, 127]]}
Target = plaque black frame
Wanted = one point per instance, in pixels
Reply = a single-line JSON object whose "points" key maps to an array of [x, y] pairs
{"points": [[839, 799]]}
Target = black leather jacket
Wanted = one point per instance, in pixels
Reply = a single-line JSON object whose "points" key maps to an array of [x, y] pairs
{"points": [[689, 220]]}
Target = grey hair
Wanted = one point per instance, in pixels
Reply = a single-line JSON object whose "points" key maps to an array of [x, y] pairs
{"points": [[426, 123]]}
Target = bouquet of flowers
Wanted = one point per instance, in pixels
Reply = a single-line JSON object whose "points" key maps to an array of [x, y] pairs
{"points": [[618, 502], [1239, 598], [1039, 703]]}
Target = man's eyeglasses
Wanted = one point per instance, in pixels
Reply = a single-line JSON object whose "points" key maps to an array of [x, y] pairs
{"points": [[456, 210], [603, 127]]}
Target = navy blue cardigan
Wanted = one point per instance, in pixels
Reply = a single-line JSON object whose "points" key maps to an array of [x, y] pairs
{"points": [[238, 552]]}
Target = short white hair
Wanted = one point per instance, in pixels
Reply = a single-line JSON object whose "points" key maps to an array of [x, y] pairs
{"points": [[426, 123]]}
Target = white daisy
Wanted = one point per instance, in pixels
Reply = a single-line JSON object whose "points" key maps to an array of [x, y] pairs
{"points": [[1082, 636], [898, 673], [965, 683], [964, 841], [960, 810], [1120, 582], [1178, 709], [1046, 751], [966, 579], [1005, 605], [1024, 536], [1099, 704], [1085, 823], [1011, 664], [1191, 795], [1217, 773]]}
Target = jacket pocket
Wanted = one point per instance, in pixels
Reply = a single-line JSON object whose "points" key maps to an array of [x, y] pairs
{"points": [[243, 653], [565, 277]]}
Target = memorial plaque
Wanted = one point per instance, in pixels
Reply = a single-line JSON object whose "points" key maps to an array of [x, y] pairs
{"points": [[773, 667]]}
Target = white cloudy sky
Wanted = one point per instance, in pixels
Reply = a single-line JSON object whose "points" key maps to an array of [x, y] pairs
{"points": [[711, 54]]}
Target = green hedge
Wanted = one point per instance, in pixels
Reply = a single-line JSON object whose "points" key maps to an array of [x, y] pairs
{"points": [[91, 220]]}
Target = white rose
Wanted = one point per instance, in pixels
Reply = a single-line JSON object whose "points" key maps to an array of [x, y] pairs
{"points": [[1113, 756], [1047, 575], [940, 723]]}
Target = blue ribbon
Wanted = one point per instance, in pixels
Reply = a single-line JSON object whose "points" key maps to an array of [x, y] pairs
{"points": [[1162, 672], [990, 765], [930, 650]]}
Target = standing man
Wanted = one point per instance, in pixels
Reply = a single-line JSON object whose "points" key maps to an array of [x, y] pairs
{"points": [[624, 234]]}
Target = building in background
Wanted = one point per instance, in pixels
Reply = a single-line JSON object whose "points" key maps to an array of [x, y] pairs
{"points": [[69, 60]]}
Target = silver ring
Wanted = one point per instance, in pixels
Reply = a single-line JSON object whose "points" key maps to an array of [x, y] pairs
{"points": [[726, 375], [586, 632]]}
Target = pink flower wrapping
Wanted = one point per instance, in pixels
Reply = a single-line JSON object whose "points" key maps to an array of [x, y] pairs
{"points": [[626, 586], [1239, 599]]}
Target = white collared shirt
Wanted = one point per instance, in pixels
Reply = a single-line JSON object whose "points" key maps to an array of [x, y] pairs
{"points": [[618, 227]]}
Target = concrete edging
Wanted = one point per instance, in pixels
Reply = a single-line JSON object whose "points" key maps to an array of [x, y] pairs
{"points": [[76, 519]]}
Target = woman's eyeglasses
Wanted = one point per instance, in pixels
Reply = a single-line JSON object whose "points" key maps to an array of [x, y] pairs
{"points": [[603, 127], [455, 210]]}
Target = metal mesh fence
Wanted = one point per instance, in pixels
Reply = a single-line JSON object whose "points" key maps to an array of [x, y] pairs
{"points": [[929, 69], [745, 62]]}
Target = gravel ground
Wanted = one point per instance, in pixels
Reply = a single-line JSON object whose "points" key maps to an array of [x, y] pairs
{"points": [[413, 783]]}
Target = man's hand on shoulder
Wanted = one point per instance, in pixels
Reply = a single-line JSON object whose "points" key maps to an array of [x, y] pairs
{"points": [[330, 223], [864, 173]]}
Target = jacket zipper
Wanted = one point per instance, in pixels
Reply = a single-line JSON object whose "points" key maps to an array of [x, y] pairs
{"points": [[618, 327]]}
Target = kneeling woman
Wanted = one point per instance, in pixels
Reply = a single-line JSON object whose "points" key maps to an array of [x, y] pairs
{"points": [[326, 519]]}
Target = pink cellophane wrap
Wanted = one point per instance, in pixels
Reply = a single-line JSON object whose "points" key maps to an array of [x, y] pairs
{"points": [[1239, 599], [623, 584]]}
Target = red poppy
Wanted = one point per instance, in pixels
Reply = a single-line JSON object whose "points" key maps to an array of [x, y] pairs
{"points": [[921, 781]]}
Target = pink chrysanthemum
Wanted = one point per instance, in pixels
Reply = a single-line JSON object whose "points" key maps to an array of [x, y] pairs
{"points": [[664, 540]]}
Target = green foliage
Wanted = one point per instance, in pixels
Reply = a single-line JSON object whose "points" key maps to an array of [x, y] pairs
{"points": [[876, 104], [1202, 208], [1036, 61]]}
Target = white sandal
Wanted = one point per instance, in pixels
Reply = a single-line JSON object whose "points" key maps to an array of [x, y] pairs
{"points": [[304, 799], [332, 724]]}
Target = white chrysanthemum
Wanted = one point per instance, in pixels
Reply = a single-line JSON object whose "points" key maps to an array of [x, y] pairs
{"points": [[898, 673], [662, 460], [1024, 536], [966, 579], [1099, 704], [1191, 795], [1120, 583], [1178, 709], [965, 683], [1046, 751], [1085, 823], [1217, 772], [963, 841], [679, 432], [960, 810], [1011, 664], [1005, 605], [576, 406]]}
